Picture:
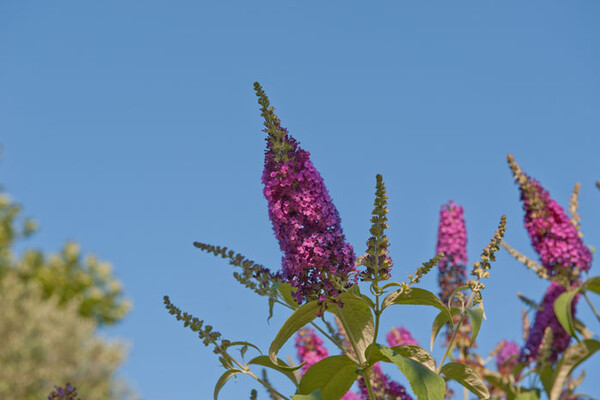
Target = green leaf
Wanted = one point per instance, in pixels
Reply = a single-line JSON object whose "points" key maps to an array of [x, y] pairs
{"points": [[530, 395], [562, 309], [467, 377], [439, 321], [223, 379], [302, 316], [411, 351], [357, 319], [499, 381], [426, 384], [476, 316], [415, 296], [332, 375], [286, 290], [572, 357], [546, 375], [316, 395], [266, 362], [593, 284]]}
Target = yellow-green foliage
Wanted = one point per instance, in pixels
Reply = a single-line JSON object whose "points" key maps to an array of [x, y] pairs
{"points": [[45, 344], [67, 275]]}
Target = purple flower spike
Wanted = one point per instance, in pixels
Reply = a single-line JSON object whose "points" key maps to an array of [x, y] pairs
{"points": [[507, 357], [399, 336], [552, 234], [452, 241], [544, 318], [317, 260]]}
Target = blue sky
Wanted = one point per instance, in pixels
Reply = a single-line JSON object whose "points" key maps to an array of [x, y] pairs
{"points": [[132, 127]]}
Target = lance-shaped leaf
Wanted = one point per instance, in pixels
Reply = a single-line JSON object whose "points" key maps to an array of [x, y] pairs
{"points": [[302, 316], [223, 379], [415, 296], [499, 381], [411, 351], [357, 319], [333, 376], [266, 362], [593, 284], [439, 321], [562, 309], [529, 395], [476, 315], [426, 384], [467, 377], [286, 290], [316, 395], [572, 357]]}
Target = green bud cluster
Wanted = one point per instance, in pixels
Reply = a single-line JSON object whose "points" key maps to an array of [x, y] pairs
{"points": [[376, 260], [272, 124], [205, 332]]}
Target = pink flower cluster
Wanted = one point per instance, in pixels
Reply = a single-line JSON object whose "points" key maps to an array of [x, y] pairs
{"points": [[310, 348], [507, 357], [400, 335], [452, 241], [307, 225], [552, 234], [545, 317]]}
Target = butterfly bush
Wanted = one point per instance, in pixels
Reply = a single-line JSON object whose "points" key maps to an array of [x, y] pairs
{"points": [[320, 280], [452, 242], [317, 261], [553, 236]]}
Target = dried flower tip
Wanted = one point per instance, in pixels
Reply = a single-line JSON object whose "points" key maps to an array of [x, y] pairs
{"points": [[528, 262]]}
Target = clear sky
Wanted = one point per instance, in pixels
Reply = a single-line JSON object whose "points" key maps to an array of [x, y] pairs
{"points": [[132, 127]]}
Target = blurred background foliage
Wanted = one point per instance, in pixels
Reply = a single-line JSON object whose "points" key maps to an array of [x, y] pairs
{"points": [[50, 307]]}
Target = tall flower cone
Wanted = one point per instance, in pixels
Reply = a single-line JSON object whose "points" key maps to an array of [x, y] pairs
{"points": [[553, 236], [317, 261], [452, 241]]}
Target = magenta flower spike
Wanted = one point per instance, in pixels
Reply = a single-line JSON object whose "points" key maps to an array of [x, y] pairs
{"points": [[452, 241], [317, 261], [552, 234], [544, 318], [399, 336]]}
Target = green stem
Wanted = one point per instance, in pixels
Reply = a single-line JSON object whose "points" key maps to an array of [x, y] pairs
{"points": [[377, 316], [367, 379], [591, 306], [265, 384], [463, 314]]}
